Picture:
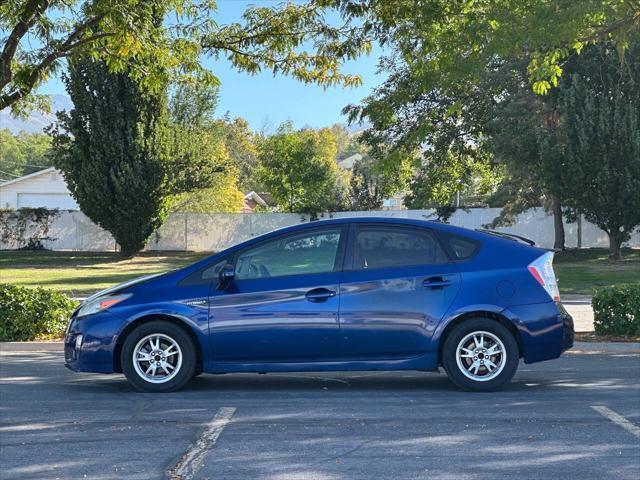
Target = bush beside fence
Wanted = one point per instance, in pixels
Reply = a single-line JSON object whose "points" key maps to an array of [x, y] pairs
{"points": [[616, 310], [33, 313]]}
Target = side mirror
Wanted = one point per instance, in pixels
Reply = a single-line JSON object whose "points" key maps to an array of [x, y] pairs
{"points": [[226, 276]]}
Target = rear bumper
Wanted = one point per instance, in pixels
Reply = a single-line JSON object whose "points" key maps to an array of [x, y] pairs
{"points": [[567, 325], [545, 330]]}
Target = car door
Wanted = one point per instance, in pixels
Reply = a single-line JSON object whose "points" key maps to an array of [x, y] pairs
{"points": [[396, 286], [282, 305]]}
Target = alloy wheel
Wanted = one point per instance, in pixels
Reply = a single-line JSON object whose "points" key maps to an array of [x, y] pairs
{"points": [[481, 356], [157, 358]]}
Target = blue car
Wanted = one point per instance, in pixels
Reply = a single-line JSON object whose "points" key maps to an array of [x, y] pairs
{"points": [[345, 294]]}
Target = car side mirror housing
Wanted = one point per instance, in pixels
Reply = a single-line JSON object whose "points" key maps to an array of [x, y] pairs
{"points": [[226, 276]]}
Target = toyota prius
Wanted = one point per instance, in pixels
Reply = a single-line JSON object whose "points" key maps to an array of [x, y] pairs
{"points": [[349, 294]]}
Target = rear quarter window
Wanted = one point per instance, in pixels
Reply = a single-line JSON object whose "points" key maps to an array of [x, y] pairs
{"points": [[460, 248]]}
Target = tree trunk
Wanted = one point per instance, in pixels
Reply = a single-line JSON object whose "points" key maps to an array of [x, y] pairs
{"points": [[558, 226], [126, 254], [614, 247]]}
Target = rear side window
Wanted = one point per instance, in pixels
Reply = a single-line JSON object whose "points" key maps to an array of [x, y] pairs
{"points": [[383, 247], [461, 248]]}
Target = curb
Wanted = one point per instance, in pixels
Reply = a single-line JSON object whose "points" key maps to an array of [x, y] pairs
{"points": [[31, 347], [605, 347], [578, 347]]}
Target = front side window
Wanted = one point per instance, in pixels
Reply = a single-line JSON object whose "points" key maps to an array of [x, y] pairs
{"points": [[310, 252], [383, 247]]}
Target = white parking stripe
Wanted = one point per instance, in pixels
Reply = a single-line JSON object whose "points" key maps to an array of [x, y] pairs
{"points": [[617, 419], [191, 461]]}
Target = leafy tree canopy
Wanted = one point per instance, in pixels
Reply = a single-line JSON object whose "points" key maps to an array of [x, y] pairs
{"points": [[448, 41], [451, 65], [200, 166], [197, 154], [241, 144], [222, 196], [23, 153], [288, 38], [299, 169], [446, 62]]}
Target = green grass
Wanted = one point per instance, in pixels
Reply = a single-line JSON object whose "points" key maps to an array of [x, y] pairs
{"points": [[579, 271], [82, 273]]}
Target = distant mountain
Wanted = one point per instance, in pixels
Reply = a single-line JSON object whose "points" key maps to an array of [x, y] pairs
{"points": [[37, 120], [357, 127]]}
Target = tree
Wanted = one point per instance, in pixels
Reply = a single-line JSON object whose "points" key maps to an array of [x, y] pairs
{"points": [[446, 40], [523, 135], [222, 196], [241, 145], [113, 151], [197, 157], [200, 165], [447, 65], [40, 34], [440, 182], [299, 169], [449, 42], [365, 192], [23, 153], [600, 115], [372, 181]]}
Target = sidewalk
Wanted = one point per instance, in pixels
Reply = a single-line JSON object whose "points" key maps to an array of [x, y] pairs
{"points": [[579, 307]]}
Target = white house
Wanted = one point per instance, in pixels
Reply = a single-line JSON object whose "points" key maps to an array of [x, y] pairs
{"points": [[45, 188]]}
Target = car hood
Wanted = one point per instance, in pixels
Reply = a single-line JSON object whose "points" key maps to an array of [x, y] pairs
{"points": [[121, 286]]}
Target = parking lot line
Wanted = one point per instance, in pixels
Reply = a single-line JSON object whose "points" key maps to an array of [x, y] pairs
{"points": [[191, 461], [617, 419]]}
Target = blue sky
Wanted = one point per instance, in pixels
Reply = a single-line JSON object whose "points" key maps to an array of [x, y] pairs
{"points": [[266, 101]]}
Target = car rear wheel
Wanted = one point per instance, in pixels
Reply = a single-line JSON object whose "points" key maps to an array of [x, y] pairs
{"points": [[158, 357], [480, 354]]}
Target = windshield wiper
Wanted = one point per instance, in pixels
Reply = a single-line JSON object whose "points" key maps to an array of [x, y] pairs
{"points": [[508, 236]]}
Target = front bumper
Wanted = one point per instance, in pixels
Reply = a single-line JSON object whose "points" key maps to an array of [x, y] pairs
{"points": [[95, 353]]}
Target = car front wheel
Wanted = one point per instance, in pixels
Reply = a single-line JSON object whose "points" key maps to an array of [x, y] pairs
{"points": [[158, 357], [480, 354]]}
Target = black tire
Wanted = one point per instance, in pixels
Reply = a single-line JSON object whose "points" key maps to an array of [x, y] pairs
{"points": [[508, 365], [187, 348]]}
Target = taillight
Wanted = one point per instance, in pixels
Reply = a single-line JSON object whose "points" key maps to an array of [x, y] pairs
{"points": [[542, 270]]}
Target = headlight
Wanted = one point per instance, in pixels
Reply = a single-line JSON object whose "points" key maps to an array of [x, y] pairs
{"points": [[101, 303]]}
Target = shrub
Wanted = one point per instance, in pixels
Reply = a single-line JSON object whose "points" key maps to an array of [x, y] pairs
{"points": [[32, 313], [26, 228], [617, 310]]}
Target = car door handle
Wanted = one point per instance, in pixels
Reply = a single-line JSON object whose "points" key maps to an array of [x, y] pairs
{"points": [[320, 294], [436, 282]]}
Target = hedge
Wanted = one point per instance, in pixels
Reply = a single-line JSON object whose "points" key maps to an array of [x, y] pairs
{"points": [[33, 313], [617, 310]]}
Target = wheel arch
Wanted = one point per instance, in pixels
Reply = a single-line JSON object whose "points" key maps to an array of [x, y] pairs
{"points": [[497, 317], [131, 326]]}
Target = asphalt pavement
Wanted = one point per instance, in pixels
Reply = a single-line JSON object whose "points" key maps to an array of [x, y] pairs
{"points": [[576, 417]]}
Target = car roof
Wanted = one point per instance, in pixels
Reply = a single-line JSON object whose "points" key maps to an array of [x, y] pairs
{"points": [[423, 223]]}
